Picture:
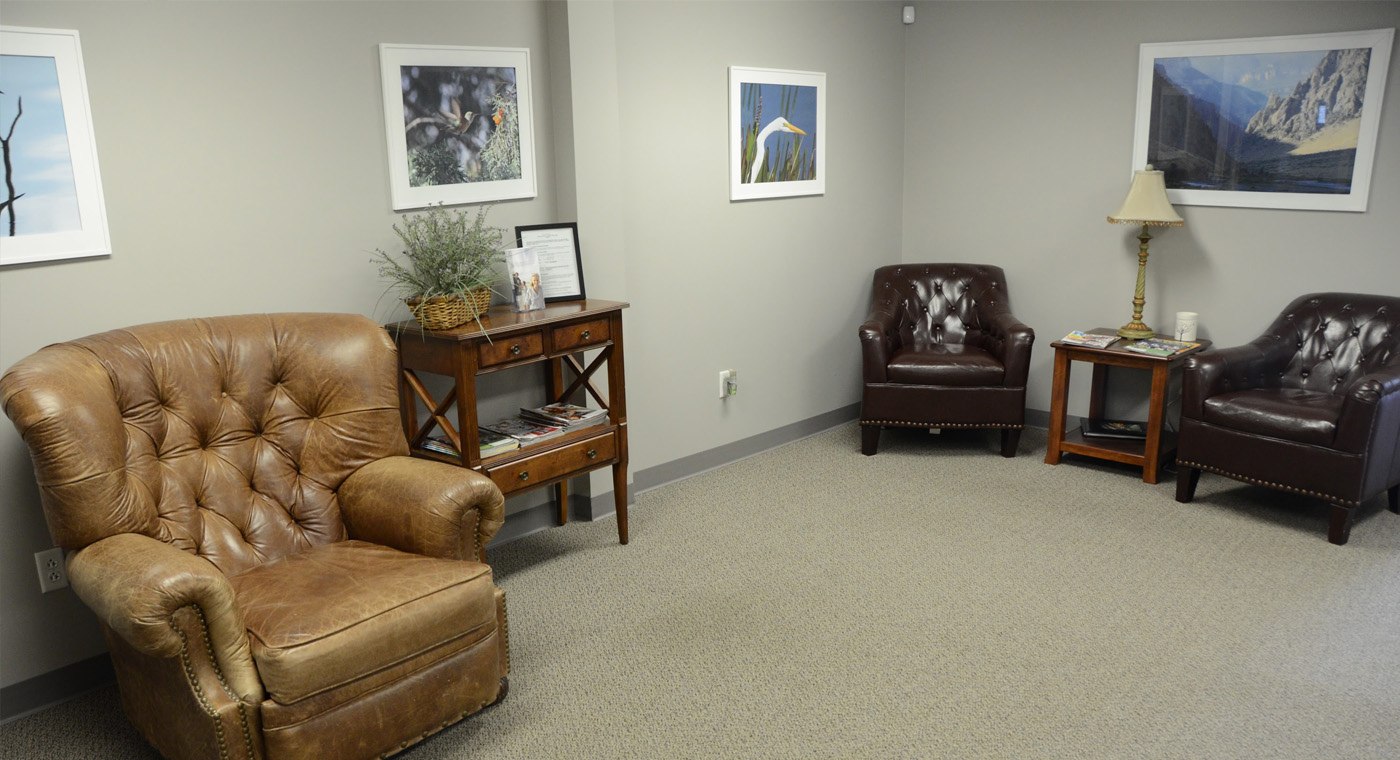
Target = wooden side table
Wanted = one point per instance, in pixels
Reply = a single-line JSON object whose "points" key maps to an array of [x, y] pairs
{"points": [[1147, 454], [550, 339]]}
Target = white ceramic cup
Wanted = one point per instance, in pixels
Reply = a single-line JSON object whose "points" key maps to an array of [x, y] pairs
{"points": [[1185, 325]]}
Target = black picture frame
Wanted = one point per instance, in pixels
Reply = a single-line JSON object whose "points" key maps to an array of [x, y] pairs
{"points": [[561, 258]]}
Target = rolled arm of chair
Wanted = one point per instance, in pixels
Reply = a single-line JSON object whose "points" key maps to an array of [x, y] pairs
{"points": [[1370, 419], [422, 506], [878, 340], [137, 584], [1010, 341], [1229, 369]]}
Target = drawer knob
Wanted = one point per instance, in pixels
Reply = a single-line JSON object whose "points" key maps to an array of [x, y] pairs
{"points": [[592, 453], [586, 334], [515, 350], [524, 476]]}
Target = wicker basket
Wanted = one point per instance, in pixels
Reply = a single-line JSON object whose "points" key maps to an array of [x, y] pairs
{"points": [[447, 312]]}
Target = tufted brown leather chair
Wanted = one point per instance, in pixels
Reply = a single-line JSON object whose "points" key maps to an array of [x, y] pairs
{"points": [[1311, 406], [274, 575], [942, 349]]}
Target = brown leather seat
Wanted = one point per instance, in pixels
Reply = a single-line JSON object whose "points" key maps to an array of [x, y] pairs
{"points": [[275, 576], [1311, 406], [942, 349]]}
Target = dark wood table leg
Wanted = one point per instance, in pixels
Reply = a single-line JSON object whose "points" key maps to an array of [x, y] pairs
{"points": [[1098, 391], [1156, 417], [1059, 390]]}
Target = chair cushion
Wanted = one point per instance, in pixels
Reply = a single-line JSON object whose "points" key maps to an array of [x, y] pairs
{"points": [[1288, 413], [945, 364], [338, 612]]}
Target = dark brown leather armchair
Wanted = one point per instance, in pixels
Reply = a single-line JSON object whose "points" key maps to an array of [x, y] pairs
{"points": [[275, 577], [942, 350], [1311, 406]]}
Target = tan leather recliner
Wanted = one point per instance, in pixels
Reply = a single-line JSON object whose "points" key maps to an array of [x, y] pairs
{"points": [[275, 576]]}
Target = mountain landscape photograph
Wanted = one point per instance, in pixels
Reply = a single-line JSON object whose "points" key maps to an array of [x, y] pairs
{"points": [[1272, 123]]}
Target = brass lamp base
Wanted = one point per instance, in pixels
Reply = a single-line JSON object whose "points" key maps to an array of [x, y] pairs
{"points": [[1136, 330]]}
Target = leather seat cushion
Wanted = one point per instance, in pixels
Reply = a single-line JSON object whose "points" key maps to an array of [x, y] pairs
{"points": [[945, 364], [1288, 413], [338, 612]]}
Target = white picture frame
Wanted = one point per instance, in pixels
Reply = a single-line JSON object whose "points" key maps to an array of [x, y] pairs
{"points": [[781, 99], [444, 109], [51, 149], [1206, 93]]}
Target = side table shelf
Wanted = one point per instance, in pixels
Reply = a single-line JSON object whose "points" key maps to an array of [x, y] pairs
{"points": [[551, 339], [1148, 453]]}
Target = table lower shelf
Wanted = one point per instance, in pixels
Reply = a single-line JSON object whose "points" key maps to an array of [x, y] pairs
{"points": [[549, 461], [1125, 450]]}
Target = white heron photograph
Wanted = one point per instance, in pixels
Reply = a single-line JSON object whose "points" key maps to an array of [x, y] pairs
{"points": [[777, 133]]}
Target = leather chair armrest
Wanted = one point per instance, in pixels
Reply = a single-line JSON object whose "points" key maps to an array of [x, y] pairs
{"points": [[423, 507], [137, 584], [1229, 369], [1370, 419], [879, 337], [1010, 340]]}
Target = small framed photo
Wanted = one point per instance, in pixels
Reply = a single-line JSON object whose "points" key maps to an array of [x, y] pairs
{"points": [[51, 206], [561, 261], [526, 288], [459, 124], [777, 133], [1266, 122]]}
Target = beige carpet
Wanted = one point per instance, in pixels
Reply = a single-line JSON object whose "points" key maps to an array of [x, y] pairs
{"points": [[935, 600]]}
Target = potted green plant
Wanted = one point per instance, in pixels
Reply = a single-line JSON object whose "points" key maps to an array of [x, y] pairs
{"points": [[448, 265]]}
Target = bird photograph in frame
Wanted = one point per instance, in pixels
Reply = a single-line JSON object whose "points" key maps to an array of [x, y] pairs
{"points": [[458, 124], [777, 133]]}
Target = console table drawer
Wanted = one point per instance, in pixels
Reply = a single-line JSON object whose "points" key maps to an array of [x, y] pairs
{"points": [[544, 467], [581, 334], [513, 348]]}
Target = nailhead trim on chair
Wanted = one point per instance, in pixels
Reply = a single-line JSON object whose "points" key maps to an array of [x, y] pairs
{"points": [[1327, 496], [902, 423], [505, 629], [194, 682]]}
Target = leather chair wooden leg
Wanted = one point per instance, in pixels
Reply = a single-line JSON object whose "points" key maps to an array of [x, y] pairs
{"points": [[1010, 439], [869, 439], [1394, 495], [1339, 528], [1186, 479]]}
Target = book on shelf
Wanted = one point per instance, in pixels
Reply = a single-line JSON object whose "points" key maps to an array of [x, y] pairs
{"points": [[570, 416], [1092, 340], [524, 431], [1113, 429], [1160, 346]]}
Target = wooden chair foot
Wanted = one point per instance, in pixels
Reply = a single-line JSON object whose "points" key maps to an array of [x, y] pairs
{"points": [[1186, 479], [1339, 528], [1394, 495], [1010, 439], [869, 439]]}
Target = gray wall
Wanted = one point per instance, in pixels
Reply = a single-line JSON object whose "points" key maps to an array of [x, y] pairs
{"points": [[237, 182], [1018, 144]]}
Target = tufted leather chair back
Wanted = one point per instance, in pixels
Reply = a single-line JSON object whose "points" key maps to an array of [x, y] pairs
{"points": [[1336, 339], [940, 303], [225, 437]]}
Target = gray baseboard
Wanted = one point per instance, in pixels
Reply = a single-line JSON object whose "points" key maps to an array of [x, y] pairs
{"points": [[71, 680]]}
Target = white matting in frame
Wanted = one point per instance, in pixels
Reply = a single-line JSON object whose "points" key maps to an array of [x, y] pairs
{"points": [[458, 123], [1268, 122], [56, 209], [777, 133]]}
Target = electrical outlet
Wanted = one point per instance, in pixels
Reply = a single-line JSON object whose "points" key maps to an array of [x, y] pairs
{"points": [[728, 383], [53, 575]]}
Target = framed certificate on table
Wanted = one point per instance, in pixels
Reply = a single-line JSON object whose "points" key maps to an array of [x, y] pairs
{"points": [[561, 261]]}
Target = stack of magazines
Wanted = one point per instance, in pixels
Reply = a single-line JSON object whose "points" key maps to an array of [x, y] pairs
{"points": [[1092, 340], [523, 431], [1160, 346], [567, 416], [491, 443]]}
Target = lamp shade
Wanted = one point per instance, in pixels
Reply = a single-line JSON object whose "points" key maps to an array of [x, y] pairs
{"points": [[1147, 202]]}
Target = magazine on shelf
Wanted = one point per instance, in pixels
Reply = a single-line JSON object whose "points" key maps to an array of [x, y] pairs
{"points": [[566, 415], [1113, 429], [524, 431], [495, 443], [1160, 346], [440, 445], [1092, 340]]}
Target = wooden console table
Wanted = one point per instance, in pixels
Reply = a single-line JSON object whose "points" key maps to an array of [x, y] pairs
{"points": [[1147, 454], [552, 338]]}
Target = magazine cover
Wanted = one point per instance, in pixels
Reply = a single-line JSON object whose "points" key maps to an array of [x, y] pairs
{"points": [[527, 293]]}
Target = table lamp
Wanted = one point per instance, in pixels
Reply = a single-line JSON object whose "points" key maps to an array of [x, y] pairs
{"points": [[1147, 205]]}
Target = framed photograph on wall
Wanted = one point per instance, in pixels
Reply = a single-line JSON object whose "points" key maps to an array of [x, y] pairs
{"points": [[51, 205], [459, 124], [1268, 122], [777, 133], [561, 260]]}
